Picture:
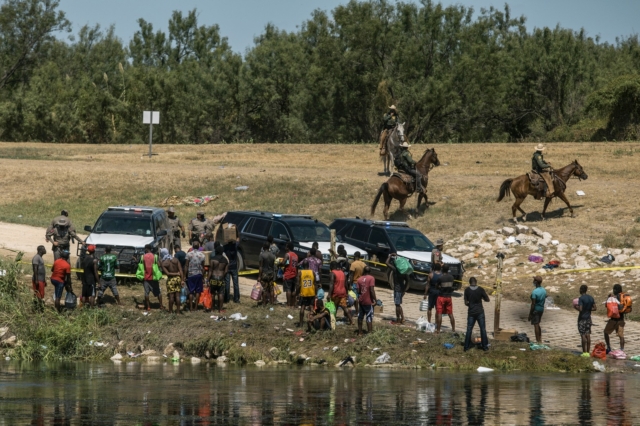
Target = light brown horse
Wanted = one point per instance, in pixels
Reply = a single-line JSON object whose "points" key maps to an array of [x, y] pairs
{"points": [[395, 188], [521, 187]]}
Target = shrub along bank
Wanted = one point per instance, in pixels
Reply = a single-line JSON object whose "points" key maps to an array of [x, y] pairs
{"points": [[31, 333]]}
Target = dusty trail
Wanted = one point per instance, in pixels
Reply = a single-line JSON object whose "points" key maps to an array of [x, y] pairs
{"points": [[559, 326]]}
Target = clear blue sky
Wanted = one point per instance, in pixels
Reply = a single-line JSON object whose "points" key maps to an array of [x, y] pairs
{"points": [[241, 20]]}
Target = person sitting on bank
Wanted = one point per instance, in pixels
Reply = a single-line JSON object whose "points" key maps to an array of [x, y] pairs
{"points": [[320, 318]]}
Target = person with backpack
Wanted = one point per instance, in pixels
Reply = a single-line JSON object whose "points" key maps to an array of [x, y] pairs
{"points": [[444, 304], [616, 319], [338, 289], [400, 283], [367, 298]]}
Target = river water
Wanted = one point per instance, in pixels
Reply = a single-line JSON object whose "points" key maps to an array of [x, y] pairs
{"points": [[202, 394]]}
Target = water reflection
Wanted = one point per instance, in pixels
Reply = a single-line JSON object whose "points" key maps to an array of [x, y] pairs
{"points": [[132, 393]]}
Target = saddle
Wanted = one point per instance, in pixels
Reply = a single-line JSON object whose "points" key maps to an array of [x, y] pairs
{"points": [[539, 183], [408, 180]]}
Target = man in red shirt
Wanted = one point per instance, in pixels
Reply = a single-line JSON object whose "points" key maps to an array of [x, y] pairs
{"points": [[61, 276], [150, 285], [290, 263], [338, 289], [367, 299]]}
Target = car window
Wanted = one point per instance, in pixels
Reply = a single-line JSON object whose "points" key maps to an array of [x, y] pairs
{"points": [[378, 237], [259, 227], [278, 231], [360, 232], [124, 225], [409, 241], [312, 232]]}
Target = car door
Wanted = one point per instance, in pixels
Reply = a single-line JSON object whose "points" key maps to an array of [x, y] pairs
{"points": [[254, 235], [379, 246], [280, 236]]}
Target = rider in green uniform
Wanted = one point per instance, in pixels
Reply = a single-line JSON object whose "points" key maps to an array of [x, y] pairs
{"points": [[390, 121], [406, 163], [543, 168]]}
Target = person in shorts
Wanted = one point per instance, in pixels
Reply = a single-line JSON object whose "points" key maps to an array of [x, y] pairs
{"points": [[107, 266], [538, 296], [320, 318], [218, 268], [290, 263], [195, 275], [150, 285], [400, 287], [60, 277], [367, 298], [338, 289], [90, 276], [39, 278], [307, 289], [444, 303], [430, 291], [585, 305], [172, 268], [266, 273], [617, 324]]}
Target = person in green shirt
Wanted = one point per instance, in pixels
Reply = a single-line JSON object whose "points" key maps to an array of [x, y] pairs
{"points": [[543, 168], [405, 163], [390, 120], [107, 266]]}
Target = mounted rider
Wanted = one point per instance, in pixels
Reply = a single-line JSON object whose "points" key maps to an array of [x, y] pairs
{"points": [[404, 162], [390, 122], [541, 167]]}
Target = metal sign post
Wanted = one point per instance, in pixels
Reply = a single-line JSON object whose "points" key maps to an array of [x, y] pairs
{"points": [[151, 118]]}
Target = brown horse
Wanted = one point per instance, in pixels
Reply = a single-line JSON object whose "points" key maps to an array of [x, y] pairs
{"points": [[521, 187], [395, 188]]}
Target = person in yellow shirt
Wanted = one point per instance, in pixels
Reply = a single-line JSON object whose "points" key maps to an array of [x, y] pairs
{"points": [[306, 289]]}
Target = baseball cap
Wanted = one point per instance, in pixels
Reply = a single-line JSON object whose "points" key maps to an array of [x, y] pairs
{"points": [[171, 210], [65, 212], [91, 248]]}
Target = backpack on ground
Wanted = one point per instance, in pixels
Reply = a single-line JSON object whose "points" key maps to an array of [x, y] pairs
{"points": [[403, 266]]}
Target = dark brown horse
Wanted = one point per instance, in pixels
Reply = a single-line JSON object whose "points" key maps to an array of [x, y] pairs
{"points": [[521, 187], [395, 188]]}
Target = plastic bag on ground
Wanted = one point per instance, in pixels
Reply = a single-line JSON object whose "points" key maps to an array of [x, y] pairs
{"points": [[549, 304], [383, 359], [538, 346], [635, 358], [599, 366], [484, 370], [618, 354], [599, 351], [237, 317]]}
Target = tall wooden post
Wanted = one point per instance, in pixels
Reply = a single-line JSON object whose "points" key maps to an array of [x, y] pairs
{"points": [[498, 294], [333, 244]]}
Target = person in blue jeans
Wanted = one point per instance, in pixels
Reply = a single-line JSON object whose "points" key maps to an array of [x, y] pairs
{"points": [[473, 297], [231, 250]]}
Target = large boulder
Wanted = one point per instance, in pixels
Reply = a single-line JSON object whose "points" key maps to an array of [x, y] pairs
{"points": [[168, 350], [536, 231], [620, 259], [522, 229]]}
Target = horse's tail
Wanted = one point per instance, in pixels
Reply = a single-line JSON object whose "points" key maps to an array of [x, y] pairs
{"points": [[383, 188], [505, 189]]}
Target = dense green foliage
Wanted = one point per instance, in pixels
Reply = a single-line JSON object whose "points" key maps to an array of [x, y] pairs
{"points": [[456, 75]]}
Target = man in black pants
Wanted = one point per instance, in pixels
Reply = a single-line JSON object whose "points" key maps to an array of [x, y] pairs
{"points": [[473, 297]]}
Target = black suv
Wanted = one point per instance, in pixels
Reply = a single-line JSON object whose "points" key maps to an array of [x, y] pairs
{"points": [[127, 229], [254, 227], [379, 238]]}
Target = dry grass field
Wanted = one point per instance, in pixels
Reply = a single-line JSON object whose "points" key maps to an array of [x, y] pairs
{"points": [[327, 181]]}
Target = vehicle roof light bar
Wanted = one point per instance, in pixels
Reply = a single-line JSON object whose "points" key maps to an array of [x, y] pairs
{"points": [[387, 223], [303, 216]]}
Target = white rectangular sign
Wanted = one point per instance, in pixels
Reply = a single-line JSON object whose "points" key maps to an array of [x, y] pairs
{"points": [[151, 117]]}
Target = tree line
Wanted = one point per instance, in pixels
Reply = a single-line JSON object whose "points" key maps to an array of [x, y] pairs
{"points": [[455, 74]]}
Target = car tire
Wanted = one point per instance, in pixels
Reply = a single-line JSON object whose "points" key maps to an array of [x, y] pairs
{"points": [[240, 261], [390, 281]]}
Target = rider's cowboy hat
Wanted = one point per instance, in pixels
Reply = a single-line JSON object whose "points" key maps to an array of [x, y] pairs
{"points": [[393, 107], [540, 147], [404, 145]]}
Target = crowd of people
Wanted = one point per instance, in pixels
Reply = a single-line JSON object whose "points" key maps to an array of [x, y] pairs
{"points": [[213, 266]]}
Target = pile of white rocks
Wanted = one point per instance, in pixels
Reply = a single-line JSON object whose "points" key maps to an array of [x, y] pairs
{"points": [[520, 241]]}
